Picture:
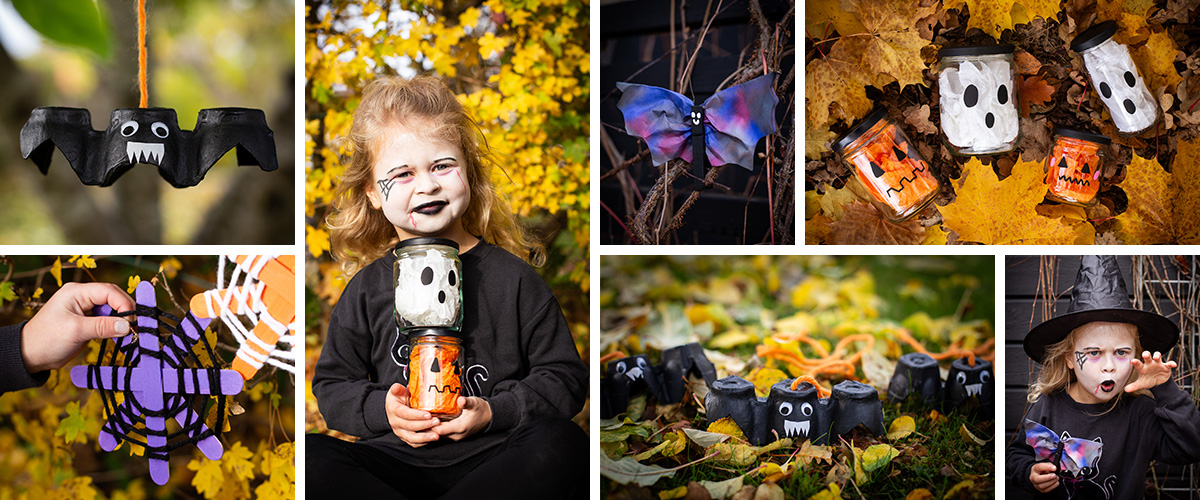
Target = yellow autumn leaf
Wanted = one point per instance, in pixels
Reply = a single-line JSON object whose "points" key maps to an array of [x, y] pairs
{"points": [[209, 478], [958, 490], [56, 270], [237, 462], [1147, 220], [919, 494], [995, 212], [1156, 60], [988, 15], [170, 266], [133, 283], [835, 85], [824, 16], [317, 240], [901, 427], [763, 378], [84, 261], [833, 492], [877, 456], [679, 492], [728, 427]]}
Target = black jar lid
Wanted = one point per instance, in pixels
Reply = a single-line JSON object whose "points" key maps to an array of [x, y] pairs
{"points": [[1094, 36], [1079, 134], [976, 50], [427, 241], [433, 332], [861, 128]]}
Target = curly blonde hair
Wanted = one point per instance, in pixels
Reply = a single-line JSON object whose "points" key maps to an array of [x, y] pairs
{"points": [[359, 232], [1056, 373]]}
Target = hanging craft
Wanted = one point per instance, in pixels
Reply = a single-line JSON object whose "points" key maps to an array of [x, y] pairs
{"points": [[147, 135], [727, 126], [261, 291], [155, 375]]}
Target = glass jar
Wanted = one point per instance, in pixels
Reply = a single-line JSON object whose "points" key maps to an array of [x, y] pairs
{"points": [[1075, 167], [434, 373], [889, 166], [428, 284], [978, 99], [1130, 104]]}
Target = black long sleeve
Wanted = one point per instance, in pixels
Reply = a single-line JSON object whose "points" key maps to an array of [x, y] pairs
{"points": [[13, 374], [519, 355]]}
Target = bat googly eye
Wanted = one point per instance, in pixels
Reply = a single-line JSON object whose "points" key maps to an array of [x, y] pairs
{"points": [[160, 130], [785, 409], [985, 377], [642, 362], [961, 378], [806, 409], [129, 128], [620, 368]]}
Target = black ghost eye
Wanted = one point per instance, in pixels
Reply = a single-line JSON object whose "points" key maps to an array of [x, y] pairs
{"points": [[785, 409], [453, 279], [1002, 94], [1129, 79], [159, 129], [985, 377], [971, 96], [1105, 91], [620, 368], [1129, 107], [129, 128], [961, 378], [442, 296], [806, 409], [427, 276]]}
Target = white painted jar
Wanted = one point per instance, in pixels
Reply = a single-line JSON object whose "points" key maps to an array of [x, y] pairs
{"points": [[978, 99], [1116, 78]]}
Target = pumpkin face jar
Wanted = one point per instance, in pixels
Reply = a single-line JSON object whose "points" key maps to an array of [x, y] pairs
{"points": [[1075, 166], [895, 175], [434, 380]]}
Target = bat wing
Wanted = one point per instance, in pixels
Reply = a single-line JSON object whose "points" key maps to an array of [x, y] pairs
{"points": [[658, 116], [70, 130], [737, 118], [1039, 437], [1079, 453], [217, 131]]}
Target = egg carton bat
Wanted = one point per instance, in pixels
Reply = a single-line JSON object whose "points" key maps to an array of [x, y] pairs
{"points": [[799, 413], [667, 381], [917, 373], [147, 135]]}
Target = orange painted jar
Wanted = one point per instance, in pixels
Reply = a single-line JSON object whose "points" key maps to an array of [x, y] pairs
{"points": [[1075, 167], [899, 181], [434, 368]]}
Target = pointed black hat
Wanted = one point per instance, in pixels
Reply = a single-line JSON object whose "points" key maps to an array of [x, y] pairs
{"points": [[1100, 295]]}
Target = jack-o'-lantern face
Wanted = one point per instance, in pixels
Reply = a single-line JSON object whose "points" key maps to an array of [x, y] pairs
{"points": [[1073, 172], [434, 383], [893, 172]]}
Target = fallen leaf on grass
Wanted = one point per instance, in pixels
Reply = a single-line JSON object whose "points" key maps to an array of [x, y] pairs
{"points": [[723, 489], [672, 494], [969, 437], [627, 470], [673, 443], [960, 490], [919, 494], [831, 493], [728, 427], [901, 427], [812, 452], [704, 438], [742, 455]]}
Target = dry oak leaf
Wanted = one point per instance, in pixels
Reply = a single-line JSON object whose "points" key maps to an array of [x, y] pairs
{"points": [[918, 117], [835, 85], [1034, 90], [995, 212], [862, 224], [817, 229], [1164, 207]]}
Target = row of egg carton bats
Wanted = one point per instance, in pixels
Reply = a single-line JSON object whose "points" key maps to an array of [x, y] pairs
{"points": [[795, 410]]}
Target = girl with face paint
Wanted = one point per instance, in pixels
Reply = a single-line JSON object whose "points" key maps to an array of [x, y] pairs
{"points": [[1104, 404], [420, 169]]}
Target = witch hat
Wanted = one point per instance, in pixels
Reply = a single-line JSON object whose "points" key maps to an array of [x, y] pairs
{"points": [[1100, 295]]}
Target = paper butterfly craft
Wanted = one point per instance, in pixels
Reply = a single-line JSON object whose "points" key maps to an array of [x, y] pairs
{"points": [[727, 126], [159, 376], [261, 289], [1071, 455], [147, 135]]}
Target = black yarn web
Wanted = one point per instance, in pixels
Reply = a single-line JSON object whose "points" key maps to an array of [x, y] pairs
{"points": [[127, 421]]}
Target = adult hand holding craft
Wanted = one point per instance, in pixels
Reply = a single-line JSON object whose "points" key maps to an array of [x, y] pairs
{"points": [[61, 328], [1151, 372]]}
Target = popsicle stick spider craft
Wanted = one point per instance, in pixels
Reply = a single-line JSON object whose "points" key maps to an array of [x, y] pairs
{"points": [[155, 375]]}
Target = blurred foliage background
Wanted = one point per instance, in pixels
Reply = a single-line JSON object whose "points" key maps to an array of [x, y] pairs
{"points": [[519, 66], [201, 55], [755, 315], [42, 454]]}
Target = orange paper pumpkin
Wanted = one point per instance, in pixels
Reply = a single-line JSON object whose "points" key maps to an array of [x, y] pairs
{"points": [[434, 380], [1073, 170], [894, 172]]}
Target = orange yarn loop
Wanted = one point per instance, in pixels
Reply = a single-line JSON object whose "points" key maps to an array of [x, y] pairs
{"points": [[822, 392], [142, 53], [611, 356]]}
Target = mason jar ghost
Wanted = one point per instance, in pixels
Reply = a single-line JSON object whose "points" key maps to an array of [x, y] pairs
{"points": [[978, 99], [428, 284], [1116, 78]]}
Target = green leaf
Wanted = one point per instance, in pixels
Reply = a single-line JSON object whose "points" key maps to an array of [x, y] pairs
{"points": [[72, 428], [77, 23], [628, 470], [6, 292]]}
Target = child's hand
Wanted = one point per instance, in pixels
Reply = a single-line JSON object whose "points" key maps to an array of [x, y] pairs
{"points": [[475, 417], [1043, 477], [1151, 372], [412, 426], [60, 328]]}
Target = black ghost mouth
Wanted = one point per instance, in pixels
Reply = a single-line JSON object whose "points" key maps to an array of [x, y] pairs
{"points": [[793, 428], [1108, 386], [443, 389], [144, 152], [990, 120], [431, 208]]}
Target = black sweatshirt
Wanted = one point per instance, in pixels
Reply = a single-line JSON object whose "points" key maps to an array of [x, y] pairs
{"points": [[1139, 429], [13, 374], [518, 355]]}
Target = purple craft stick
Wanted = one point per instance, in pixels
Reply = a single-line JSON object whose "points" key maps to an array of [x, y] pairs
{"points": [[231, 382], [79, 377], [210, 446]]}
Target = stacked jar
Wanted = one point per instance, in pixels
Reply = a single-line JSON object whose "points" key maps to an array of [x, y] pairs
{"points": [[1075, 167], [978, 99], [895, 175], [427, 276], [1113, 74]]}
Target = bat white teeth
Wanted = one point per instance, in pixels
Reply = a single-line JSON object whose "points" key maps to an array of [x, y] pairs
{"points": [[795, 429], [634, 374], [973, 389], [144, 152]]}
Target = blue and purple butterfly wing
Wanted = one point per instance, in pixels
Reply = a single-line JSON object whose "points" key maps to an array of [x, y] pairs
{"points": [[1079, 453], [737, 118], [658, 116], [1039, 437]]}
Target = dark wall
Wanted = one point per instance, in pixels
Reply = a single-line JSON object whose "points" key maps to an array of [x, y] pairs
{"points": [[1024, 308]]}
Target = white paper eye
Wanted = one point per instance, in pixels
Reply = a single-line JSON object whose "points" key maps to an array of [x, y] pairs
{"points": [[985, 377], [620, 368], [129, 128], [806, 409], [642, 362], [785, 409], [159, 129], [961, 378]]}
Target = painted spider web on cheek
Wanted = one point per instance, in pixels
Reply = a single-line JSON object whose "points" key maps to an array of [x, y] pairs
{"points": [[159, 377]]}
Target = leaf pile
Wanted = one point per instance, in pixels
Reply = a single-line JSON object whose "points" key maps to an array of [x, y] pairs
{"points": [[860, 55], [736, 307]]}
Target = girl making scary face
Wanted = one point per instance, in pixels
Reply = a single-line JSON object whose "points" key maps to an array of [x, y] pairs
{"points": [[420, 185], [1102, 361]]}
